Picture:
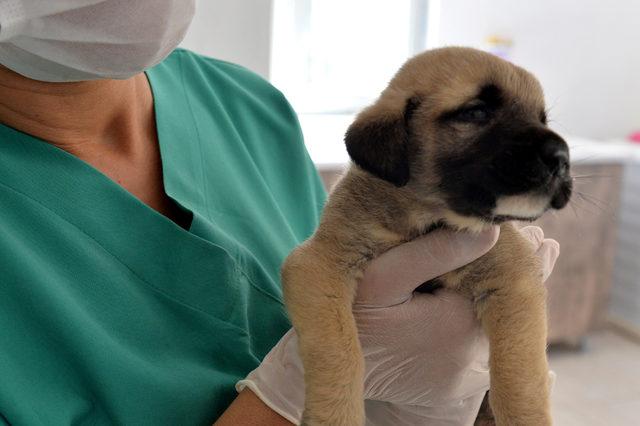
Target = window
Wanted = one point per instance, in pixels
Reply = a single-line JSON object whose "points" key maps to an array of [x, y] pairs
{"points": [[333, 57]]}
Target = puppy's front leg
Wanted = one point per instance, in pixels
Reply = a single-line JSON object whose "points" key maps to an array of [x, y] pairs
{"points": [[515, 322], [510, 298], [319, 298]]}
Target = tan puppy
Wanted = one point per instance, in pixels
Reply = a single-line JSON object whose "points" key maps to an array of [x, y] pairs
{"points": [[457, 139]]}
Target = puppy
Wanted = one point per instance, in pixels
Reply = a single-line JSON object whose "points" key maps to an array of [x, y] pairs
{"points": [[458, 139]]}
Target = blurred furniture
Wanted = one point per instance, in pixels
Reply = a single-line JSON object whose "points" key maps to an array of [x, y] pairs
{"points": [[580, 286], [624, 309]]}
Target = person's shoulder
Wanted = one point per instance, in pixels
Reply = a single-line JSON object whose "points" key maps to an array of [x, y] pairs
{"points": [[204, 62], [195, 60], [247, 98], [228, 99], [221, 75]]}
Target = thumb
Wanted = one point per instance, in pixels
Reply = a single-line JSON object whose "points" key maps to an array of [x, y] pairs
{"points": [[392, 277]]}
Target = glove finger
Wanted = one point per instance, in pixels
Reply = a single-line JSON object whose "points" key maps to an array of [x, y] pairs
{"points": [[391, 278], [534, 234], [548, 254]]}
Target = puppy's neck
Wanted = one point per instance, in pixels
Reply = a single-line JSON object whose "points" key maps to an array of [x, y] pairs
{"points": [[396, 209]]}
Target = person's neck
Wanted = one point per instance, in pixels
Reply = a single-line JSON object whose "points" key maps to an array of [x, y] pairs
{"points": [[110, 124], [79, 116]]}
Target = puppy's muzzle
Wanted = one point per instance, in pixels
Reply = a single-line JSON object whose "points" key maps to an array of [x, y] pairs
{"points": [[534, 161], [554, 154]]}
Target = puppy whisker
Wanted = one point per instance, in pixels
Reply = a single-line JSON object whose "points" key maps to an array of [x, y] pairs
{"points": [[586, 159], [591, 176], [603, 209], [594, 200]]}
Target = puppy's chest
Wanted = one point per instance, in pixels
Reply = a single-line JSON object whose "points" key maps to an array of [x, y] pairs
{"points": [[421, 223], [381, 238]]}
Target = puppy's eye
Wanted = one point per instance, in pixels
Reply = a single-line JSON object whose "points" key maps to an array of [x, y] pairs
{"points": [[475, 114]]}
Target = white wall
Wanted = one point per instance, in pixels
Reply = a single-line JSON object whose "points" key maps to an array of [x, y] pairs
{"points": [[238, 31], [585, 52]]}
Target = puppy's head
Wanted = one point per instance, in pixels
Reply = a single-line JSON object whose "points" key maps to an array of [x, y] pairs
{"points": [[467, 131]]}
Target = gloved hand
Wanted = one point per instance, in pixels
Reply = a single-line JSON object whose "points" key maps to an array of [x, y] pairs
{"points": [[426, 358]]}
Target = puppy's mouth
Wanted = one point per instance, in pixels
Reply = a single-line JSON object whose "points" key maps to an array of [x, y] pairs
{"points": [[528, 207], [490, 208], [501, 218]]}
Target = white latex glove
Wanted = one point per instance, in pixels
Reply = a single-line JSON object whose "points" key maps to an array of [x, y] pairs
{"points": [[426, 358]]}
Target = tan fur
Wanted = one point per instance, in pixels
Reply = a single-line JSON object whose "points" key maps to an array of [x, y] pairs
{"points": [[366, 216]]}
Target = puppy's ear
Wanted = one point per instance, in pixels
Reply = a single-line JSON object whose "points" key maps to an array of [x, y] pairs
{"points": [[378, 140]]}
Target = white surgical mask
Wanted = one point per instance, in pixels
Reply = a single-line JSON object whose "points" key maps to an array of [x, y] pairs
{"points": [[75, 40]]}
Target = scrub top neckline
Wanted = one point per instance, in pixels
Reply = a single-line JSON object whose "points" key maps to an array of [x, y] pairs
{"points": [[45, 148], [156, 250]]}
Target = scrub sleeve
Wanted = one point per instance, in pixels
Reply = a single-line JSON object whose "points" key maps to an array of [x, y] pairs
{"points": [[111, 314]]}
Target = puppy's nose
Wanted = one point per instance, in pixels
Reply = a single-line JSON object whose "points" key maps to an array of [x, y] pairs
{"points": [[555, 155]]}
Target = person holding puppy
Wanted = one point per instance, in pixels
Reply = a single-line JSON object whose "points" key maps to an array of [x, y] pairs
{"points": [[148, 197]]}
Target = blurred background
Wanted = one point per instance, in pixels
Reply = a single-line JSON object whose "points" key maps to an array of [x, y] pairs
{"points": [[333, 57]]}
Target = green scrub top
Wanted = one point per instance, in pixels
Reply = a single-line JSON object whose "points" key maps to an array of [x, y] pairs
{"points": [[111, 314]]}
